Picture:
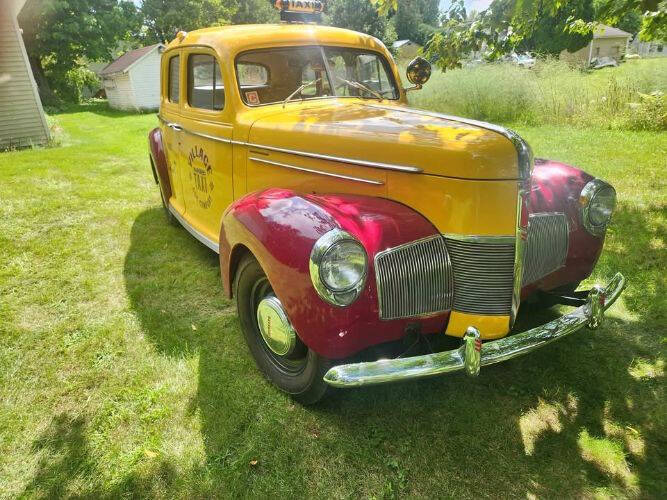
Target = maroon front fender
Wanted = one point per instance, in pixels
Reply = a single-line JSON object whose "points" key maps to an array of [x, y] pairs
{"points": [[279, 227], [159, 161], [556, 187]]}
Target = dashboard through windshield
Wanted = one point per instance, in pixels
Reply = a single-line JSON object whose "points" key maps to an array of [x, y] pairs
{"points": [[277, 75]]}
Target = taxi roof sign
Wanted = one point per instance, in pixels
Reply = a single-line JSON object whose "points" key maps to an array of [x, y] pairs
{"points": [[300, 11]]}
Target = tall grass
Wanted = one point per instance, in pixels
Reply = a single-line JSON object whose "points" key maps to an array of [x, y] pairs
{"points": [[553, 93]]}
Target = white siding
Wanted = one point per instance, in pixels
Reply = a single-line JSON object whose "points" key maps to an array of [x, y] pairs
{"points": [[22, 121], [119, 91], [145, 78]]}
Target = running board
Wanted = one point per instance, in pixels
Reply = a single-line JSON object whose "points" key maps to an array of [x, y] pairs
{"points": [[202, 238]]}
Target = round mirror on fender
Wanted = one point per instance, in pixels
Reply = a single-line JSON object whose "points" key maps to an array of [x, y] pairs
{"points": [[418, 71]]}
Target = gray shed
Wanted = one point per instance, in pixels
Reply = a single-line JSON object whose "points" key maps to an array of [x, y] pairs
{"points": [[22, 120]]}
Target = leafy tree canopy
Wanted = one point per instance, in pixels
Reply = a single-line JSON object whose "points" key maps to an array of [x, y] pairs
{"points": [[544, 25], [359, 15], [164, 18], [60, 35]]}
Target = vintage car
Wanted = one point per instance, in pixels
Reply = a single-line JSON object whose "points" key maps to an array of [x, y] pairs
{"points": [[345, 219]]}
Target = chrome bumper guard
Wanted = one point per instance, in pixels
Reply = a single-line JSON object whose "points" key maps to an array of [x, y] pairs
{"points": [[473, 354]]}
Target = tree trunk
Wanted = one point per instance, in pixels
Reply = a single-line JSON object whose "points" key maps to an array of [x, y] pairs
{"points": [[45, 93]]}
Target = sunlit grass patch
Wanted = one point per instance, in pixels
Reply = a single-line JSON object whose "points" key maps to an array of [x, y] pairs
{"points": [[642, 368], [608, 456]]}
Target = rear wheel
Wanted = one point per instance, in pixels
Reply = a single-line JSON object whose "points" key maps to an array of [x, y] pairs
{"points": [[279, 353]]}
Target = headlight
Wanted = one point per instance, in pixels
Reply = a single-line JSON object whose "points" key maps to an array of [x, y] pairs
{"points": [[598, 200], [338, 267]]}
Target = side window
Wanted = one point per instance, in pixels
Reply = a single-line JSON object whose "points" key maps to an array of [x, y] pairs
{"points": [[205, 87], [174, 85]]}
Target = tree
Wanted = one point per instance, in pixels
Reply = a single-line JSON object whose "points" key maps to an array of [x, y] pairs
{"points": [[359, 15], [631, 21], [255, 12], [550, 34], [164, 18], [510, 24], [59, 34]]}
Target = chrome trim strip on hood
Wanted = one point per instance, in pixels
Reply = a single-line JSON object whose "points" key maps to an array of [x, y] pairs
{"points": [[318, 172], [525, 154], [340, 159]]}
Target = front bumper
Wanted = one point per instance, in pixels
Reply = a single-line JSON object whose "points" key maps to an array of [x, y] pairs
{"points": [[472, 354]]}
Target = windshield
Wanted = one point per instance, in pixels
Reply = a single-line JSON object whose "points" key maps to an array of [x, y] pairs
{"points": [[273, 75]]}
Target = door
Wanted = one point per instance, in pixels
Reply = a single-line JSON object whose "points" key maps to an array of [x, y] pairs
{"points": [[206, 159], [170, 116]]}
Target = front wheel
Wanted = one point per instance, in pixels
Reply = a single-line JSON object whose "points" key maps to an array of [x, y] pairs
{"points": [[283, 358]]}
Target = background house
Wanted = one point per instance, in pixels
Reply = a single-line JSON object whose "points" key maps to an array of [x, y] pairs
{"points": [[405, 49], [648, 49], [133, 80], [607, 42], [22, 120]]}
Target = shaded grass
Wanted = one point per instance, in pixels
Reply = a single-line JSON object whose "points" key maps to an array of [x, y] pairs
{"points": [[124, 373], [552, 93]]}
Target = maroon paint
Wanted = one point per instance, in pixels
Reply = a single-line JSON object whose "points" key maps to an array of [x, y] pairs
{"points": [[280, 228], [160, 161], [555, 187]]}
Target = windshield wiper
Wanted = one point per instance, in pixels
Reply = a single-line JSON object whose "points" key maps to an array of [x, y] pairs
{"points": [[361, 86], [299, 89]]}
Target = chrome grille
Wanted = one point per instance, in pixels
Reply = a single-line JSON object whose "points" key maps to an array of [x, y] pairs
{"points": [[414, 279], [546, 246], [484, 275]]}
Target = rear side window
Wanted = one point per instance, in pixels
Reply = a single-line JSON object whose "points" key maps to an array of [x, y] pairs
{"points": [[174, 86], [205, 87]]}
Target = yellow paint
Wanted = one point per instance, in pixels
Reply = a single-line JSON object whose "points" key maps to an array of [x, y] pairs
{"points": [[468, 180], [491, 327]]}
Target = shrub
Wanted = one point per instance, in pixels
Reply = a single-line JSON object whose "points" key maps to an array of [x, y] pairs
{"points": [[551, 92]]}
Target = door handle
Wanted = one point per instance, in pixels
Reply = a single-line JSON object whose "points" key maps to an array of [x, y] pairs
{"points": [[175, 127]]}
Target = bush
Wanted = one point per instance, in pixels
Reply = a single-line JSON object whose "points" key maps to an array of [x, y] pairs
{"points": [[552, 92]]}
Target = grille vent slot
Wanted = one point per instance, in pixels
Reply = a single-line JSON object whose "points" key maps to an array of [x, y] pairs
{"points": [[414, 279], [484, 276], [546, 246]]}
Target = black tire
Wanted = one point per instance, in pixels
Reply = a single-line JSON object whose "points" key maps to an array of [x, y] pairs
{"points": [[299, 374], [170, 217]]}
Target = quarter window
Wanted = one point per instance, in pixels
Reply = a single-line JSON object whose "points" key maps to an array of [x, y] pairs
{"points": [[174, 86], [205, 86]]}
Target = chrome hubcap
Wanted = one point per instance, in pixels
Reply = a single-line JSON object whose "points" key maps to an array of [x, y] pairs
{"points": [[275, 327]]}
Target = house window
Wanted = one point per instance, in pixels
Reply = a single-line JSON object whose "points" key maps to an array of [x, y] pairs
{"points": [[597, 51], [205, 86], [174, 86]]}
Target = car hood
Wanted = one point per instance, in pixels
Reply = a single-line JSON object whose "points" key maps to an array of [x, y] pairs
{"points": [[390, 134]]}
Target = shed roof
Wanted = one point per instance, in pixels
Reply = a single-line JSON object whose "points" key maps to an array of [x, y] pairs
{"points": [[604, 31], [124, 62], [399, 43]]}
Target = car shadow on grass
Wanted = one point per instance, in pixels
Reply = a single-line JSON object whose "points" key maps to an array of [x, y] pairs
{"points": [[580, 417]]}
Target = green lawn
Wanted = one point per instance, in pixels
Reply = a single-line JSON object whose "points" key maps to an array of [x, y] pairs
{"points": [[123, 371]]}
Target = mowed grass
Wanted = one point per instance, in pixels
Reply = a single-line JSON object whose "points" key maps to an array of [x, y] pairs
{"points": [[123, 371]]}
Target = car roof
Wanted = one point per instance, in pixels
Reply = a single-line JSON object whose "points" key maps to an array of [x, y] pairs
{"points": [[238, 38]]}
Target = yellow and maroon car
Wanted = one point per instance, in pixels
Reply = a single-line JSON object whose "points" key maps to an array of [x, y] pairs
{"points": [[346, 220]]}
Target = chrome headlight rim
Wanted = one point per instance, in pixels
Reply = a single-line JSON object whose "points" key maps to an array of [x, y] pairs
{"points": [[322, 246], [588, 193]]}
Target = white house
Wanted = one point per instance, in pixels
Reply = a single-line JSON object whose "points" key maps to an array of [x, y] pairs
{"points": [[133, 80], [405, 49], [607, 42], [22, 120]]}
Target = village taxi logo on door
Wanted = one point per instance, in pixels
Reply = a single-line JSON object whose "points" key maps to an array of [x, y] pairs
{"points": [[201, 176]]}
